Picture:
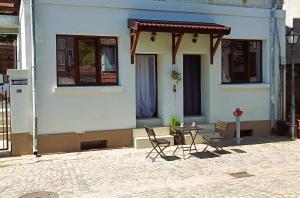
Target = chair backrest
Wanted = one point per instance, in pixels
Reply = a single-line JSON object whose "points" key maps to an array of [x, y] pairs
{"points": [[221, 127], [151, 134]]}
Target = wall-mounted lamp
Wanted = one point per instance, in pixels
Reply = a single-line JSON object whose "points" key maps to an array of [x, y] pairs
{"points": [[195, 38], [153, 36]]}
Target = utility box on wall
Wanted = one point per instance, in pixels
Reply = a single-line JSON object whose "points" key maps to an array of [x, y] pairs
{"points": [[20, 101]]}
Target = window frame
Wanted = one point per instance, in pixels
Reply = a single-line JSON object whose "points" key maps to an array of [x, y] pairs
{"points": [[232, 41], [98, 60]]}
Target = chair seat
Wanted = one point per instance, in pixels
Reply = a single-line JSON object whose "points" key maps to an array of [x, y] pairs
{"points": [[212, 135], [161, 141]]}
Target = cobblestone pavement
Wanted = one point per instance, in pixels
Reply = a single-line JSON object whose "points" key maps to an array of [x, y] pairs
{"points": [[275, 170]]}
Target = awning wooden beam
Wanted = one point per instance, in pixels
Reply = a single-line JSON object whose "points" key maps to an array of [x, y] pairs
{"points": [[134, 41], [214, 46], [176, 40]]}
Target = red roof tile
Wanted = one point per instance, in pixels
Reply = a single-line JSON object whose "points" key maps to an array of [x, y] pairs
{"points": [[177, 26]]}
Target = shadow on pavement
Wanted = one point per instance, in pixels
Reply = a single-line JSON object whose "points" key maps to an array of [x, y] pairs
{"points": [[205, 155], [255, 140], [222, 152], [238, 151], [171, 158]]}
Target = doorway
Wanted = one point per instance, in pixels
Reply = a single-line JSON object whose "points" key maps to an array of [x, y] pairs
{"points": [[192, 85], [146, 86]]}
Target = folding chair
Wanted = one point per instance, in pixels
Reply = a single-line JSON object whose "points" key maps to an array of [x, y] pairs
{"points": [[159, 145], [218, 135]]}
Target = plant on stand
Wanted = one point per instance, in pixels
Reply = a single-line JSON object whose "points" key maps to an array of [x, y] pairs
{"points": [[177, 77], [175, 121]]}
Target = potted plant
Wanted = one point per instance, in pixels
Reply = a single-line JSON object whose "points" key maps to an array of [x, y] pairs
{"points": [[175, 121]]}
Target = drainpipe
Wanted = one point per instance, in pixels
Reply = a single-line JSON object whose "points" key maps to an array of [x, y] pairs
{"points": [[284, 93], [33, 81], [272, 64]]}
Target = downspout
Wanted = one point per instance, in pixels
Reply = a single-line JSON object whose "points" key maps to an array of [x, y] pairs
{"points": [[272, 66], [33, 80], [281, 78]]}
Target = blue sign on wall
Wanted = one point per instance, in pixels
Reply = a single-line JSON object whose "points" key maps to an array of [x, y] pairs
{"points": [[19, 81]]}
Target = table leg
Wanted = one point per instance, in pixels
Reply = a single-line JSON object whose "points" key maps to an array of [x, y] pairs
{"points": [[208, 143], [182, 147], [193, 141], [176, 148]]}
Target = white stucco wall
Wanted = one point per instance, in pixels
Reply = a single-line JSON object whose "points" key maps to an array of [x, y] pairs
{"points": [[242, 3], [20, 107], [25, 35], [78, 109]]}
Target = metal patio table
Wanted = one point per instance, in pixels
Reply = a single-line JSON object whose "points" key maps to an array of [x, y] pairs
{"points": [[180, 132]]}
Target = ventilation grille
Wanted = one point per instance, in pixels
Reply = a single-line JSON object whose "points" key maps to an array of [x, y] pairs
{"points": [[97, 144], [245, 133]]}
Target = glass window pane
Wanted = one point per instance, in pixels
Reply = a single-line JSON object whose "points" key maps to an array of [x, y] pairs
{"points": [[255, 61], [239, 61], [108, 60], [66, 65], [226, 57], [61, 58], [87, 60], [61, 43]]}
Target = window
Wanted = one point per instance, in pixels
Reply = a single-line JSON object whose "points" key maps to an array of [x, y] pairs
{"points": [[86, 60], [241, 61]]}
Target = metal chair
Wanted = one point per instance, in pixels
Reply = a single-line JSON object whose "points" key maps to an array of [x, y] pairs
{"points": [[159, 145], [218, 135]]}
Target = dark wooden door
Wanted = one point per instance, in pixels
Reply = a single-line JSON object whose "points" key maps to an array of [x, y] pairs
{"points": [[192, 84]]}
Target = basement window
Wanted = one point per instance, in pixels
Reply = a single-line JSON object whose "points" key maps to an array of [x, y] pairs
{"points": [[90, 145], [245, 133]]}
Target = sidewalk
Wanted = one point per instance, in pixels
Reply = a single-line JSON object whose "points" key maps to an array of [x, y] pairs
{"points": [[266, 170]]}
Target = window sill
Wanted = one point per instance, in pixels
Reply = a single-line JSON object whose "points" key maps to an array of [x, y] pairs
{"points": [[245, 86], [89, 90]]}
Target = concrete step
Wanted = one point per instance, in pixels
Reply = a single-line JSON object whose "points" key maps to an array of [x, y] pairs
{"points": [[197, 119], [149, 122], [207, 130], [159, 131], [141, 140], [144, 142], [199, 139]]}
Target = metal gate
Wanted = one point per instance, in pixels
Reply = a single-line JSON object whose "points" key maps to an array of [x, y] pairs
{"points": [[4, 117]]}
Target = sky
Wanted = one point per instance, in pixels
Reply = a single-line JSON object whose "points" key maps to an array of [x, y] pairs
{"points": [[293, 10]]}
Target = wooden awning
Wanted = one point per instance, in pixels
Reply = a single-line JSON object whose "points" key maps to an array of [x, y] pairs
{"points": [[178, 29]]}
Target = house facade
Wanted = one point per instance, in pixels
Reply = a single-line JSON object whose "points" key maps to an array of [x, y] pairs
{"points": [[101, 69]]}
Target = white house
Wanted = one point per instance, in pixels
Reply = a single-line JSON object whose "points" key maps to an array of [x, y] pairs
{"points": [[96, 69]]}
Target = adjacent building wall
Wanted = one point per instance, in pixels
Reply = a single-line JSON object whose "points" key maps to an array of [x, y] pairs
{"points": [[292, 8]]}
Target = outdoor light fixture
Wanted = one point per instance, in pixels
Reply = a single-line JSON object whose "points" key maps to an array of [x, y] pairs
{"points": [[153, 36], [292, 39], [195, 38]]}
